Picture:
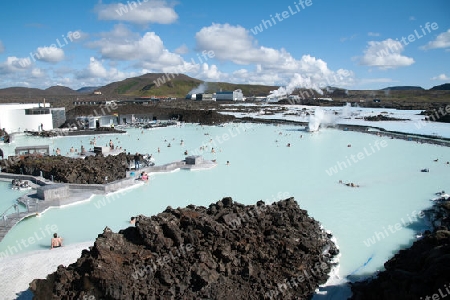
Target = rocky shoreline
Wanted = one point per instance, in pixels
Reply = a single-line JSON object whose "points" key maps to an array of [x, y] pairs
{"points": [[96, 169], [258, 252], [419, 272]]}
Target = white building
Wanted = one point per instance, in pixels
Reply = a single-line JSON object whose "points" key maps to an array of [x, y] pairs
{"points": [[93, 122], [29, 116], [235, 95]]}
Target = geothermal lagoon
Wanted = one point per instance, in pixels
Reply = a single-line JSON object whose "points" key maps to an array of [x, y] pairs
{"points": [[370, 222]]}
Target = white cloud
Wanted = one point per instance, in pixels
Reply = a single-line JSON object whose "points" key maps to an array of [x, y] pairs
{"points": [[236, 44], [385, 55], [245, 51], [212, 73], [441, 41], [14, 64], [183, 49], [96, 69], [232, 43], [97, 73], [412, 18], [184, 68], [49, 54], [373, 34], [76, 36], [441, 77], [147, 51], [2, 48], [142, 12], [37, 73], [20, 72], [257, 76]]}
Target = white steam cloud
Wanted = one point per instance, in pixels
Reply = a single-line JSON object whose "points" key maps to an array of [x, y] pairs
{"points": [[200, 89]]}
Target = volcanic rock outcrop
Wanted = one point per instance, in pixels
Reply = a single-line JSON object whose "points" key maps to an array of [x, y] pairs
{"points": [[97, 169], [226, 251], [183, 111]]}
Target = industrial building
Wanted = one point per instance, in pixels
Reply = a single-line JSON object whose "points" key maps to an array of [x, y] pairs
{"points": [[30, 117], [203, 97], [235, 95]]}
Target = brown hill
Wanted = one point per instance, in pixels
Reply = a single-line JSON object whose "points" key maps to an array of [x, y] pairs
{"points": [[152, 84], [174, 85], [54, 94], [21, 91], [60, 90], [247, 89]]}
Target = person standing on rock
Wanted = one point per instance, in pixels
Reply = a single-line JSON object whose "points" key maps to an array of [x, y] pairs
{"points": [[136, 161]]}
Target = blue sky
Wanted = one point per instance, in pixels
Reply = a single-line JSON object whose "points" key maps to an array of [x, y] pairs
{"points": [[352, 44]]}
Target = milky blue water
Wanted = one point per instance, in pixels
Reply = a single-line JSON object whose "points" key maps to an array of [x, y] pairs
{"points": [[370, 222], [9, 197]]}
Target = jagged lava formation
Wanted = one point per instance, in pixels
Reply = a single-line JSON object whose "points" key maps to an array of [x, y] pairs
{"points": [[226, 251]]}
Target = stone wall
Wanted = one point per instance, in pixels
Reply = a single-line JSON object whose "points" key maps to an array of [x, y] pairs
{"points": [[53, 192]]}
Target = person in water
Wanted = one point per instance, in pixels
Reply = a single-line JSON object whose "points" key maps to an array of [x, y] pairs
{"points": [[56, 241], [144, 176]]}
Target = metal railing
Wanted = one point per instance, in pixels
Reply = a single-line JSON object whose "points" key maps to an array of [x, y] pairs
{"points": [[4, 215]]}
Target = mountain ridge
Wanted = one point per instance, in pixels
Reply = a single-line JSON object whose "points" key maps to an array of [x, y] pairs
{"points": [[176, 85], [404, 88]]}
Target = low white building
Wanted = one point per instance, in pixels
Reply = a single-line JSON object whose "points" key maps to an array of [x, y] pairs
{"points": [[23, 117], [235, 95], [93, 122]]}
